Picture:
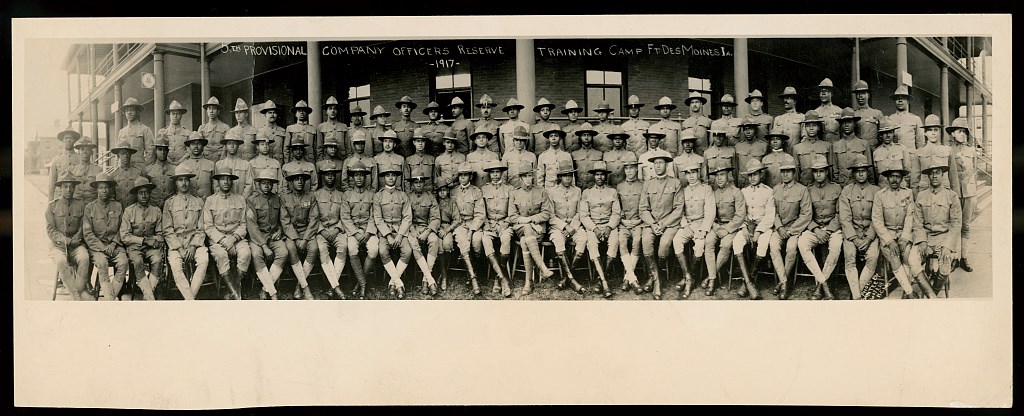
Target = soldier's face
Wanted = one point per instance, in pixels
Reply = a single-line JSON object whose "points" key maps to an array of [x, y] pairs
{"points": [[618, 142], [359, 147], [359, 179], [332, 112], [811, 129], [417, 185], [69, 144], [263, 147], [449, 146], [513, 113], [573, 115], [748, 132], [847, 126], [787, 175], [553, 140], [901, 103], [271, 117], [388, 145], [142, 195], [519, 144], [433, 115], [665, 112], [380, 120], [860, 175], [161, 153], [301, 115], [721, 178], [212, 112], [820, 175], [419, 145], [390, 179], [545, 113], [887, 137], [183, 184], [356, 120], [693, 176], [225, 183], [456, 111], [775, 142], [442, 192], [480, 140], [328, 180], [464, 178], [266, 187], [495, 176], [894, 178], [196, 148], [862, 98], [125, 158], [935, 177], [485, 111], [131, 113], [586, 138], [405, 109], [659, 166], [960, 135], [756, 104], [687, 145], [526, 178], [825, 94], [603, 115], [630, 171], [653, 142], [754, 178], [726, 110], [932, 133], [242, 117], [695, 106], [566, 180], [297, 183], [331, 151], [175, 117], [103, 191], [634, 112], [716, 139], [67, 190], [231, 147], [599, 178], [789, 102], [298, 152]]}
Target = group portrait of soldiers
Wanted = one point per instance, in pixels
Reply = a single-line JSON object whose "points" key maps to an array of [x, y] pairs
{"points": [[762, 192]]}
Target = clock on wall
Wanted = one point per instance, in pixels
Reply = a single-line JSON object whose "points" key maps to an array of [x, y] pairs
{"points": [[148, 80]]}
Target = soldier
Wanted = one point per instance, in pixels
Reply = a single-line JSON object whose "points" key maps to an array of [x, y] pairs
{"points": [[731, 210], [236, 165], [604, 127], [528, 211], [160, 172], [175, 133], [848, 146], [426, 217], [572, 112], [757, 226], [553, 156], [792, 215], [65, 159], [812, 145], [788, 123], [380, 126], [419, 159], [635, 127], [823, 228], [404, 127], [387, 156], [268, 242], [83, 169], [600, 213], [301, 132], [142, 234], [392, 215], [661, 207], [356, 118], [687, 157], [224, 221], [631, 226], [614, 158], [356, 219], [750, 147], [828, 112], [891, 153], [564, 223], [243, 131], [462, 128], [138, 136], [697, 121], [213, 130], [263, 161], [670, 128], [198, 165], [496, 225], [301, 224], [655, 148], [481, 154], [939, 207], [101, 224], [67, 249], [358, 142], [470, 216], [775, 158], [329, 159], [728, 122], [446, 165], [964, 154], [332, 128], [449, 219], [434, 130], [698, 214], [274, 133], [895, 218], [125, 173], [515, 155], [721, 153], [331, 235], [908, 124], [764, 121], [506, 132], [584, 157], [299, 163], [487, 125], [867, 126], [855, 204], [184, 235], [934, 153], [543, 109]]}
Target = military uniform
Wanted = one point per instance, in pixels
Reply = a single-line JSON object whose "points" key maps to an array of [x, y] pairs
{"points": [[615, 158], [528, 212], [490, 126], [631, 226], [730, 212], [661, 202], [932, 154], [855, 204], [175, 136], [240, 168], [830, 131], [600, 207], [214, 131], [470, 203], [806, 151], [700, 125], [672, 131], [764, 123], [278, 136], [435, 131], [392, 215], [160, 173], [183, 230], [462, 128], [846, 150], [823, 229], [332, 233], [506, 132], [636, 128], [138, 223], [908, 132], [139, 137], [647, 167], [723, 155], [496, 224], [67, 248], [892, 153], [247, 133], [478, 158], [684, 159], [356, 218], [788, 123], [125, 178], [261, 163], [571, 143], [446, 167], [301, 224], [101, 225], [426, 218], [747, 150], [417, 161], [547, 166], [867, 127], [449, 219], [601, 141], [730, 124], [301, 132], [964, 155], [404, 129], [792, 215], [584, 159], [694, 225], [58, 166], [302, 166], [224, 220], [267, 240], [82, 172], [941, 219], [760, 218], [540, 141], [893, 216]]}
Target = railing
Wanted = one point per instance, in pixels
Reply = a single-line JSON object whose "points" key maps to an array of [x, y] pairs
{"points": [[105, 162]]}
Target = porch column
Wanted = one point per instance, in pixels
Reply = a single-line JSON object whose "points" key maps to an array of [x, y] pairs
{"points": [[526, 78], [313, 81], [741, 78]]}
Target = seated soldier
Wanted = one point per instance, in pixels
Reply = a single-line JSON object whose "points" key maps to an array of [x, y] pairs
{"points": [[496, 225], [392, 215], [426, 217], [565, 223], [823, 228], [264, 161], [600, 213], [184, 235], [698, 213], [720, 153], [358, 224], [731, 210], [101, 224], [792, 215], [300, 164], [301, 225], [446, 165], [469, 202], [200, 166], [631, 227], [939, 207], [449, 219], [331, 234], [661, 207], [226, 234], [895, 218], [267, 240], [528, 211], [125, 173], [584, 157], [855, 202], [142, 234], [419, 158], [757, 226], [160, 172], [234, 163], [67, 249]]}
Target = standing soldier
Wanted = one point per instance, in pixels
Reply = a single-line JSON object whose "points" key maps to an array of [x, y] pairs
{"points": [[600, 213], [828, 112], [138, 136], [404, 127], [330, 160], [507, 131], [356, 118], [615, 157], [788, 123], [64, 160], [446, 165], [728, 122], [331, 235], [517, 154], [262, 162], [224, 220], [496, 196], [175, 133], [697, 122], [387, 157], [434, 130], [604, 127], [543, 110], [392, 214], [470, 213], [855, 204], [142, 235], [160, 172], [813, 145], [934, 153], [332, 129], [661, 208], [572, 112], [688, 157], [301, 224], [101, 225], [631, 226], [757, 226], [565, 223], [823, 228], [941, 218], [462, 128], [380, 126], [67, 249], [848, 146], [895, 217], [655, 148], [764, 121], [358, 142], [297, 150], [792, 215], [775, 158], [236, 165], [964, 154], [635, 127], [213, 130], [481, 154], [908, 124], [449, 220], [721, 153], [84, 169], [125, 173], [301, 132], [244, 131], [200, 166], [275, 134], [267, 240], [867, 126], [487, 125], [585, 157], [426, 217], [890, 153], [750, 147], [419, 159], [358, 224], [670, 128], [551, 158], [698, 214], [184, 235], [731, 210], [528, 211]]}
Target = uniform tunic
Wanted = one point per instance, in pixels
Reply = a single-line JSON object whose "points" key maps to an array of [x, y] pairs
{"points": [[730, 212], [909, 133], [940, 218], [434, 132], [565, 201], [58, 166], [125, 179], [203, 168], [264, 225], [183, 222], [647, 167], [540, 143], [302, 220], [213, 131], [404, 129], [426, 213], [496, 202], [700, 125], [722, 155], [805, 153], [462, 129], [932, 154], [867, 127], [300, 166], [823, 205], [64, 223], [139, 137], [478, 159], [888, 155], [792, 207], [530, 204], [258, 164], [614, 158], [571, 143], [506, 130], [279, 135], [491, 126], [160, 173], [138, 222], [829, 113], [730, 125], [246, 132], [240, 168], [600, 207], [301, 132], [547, 166], [854, 206], [101, 225], [84, 173], [513, 158], [584, 159], [764, 122], [635, 128], [671, 130], [846, 150], [418, 161], [356, 215], [746, 150], [176, 136], [789, 124], [368, 162], [661, 202], [469, 204], [686, 159], [446, 168], [603, 129], [368, 145]]}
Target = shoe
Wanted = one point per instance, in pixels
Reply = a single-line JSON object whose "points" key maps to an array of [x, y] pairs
{"points": [[625, 285], [432, 289], [636, 288], [476, 287], [297, 294], [956, 263], [816, 292], [778, 286], [339, 293], [687, 287], [307, 294], [444, 284], [963, 265], [497, 287], [710, 290], [704, 283], [783, 291], [742, 291], [423, 289], [400, 293]]}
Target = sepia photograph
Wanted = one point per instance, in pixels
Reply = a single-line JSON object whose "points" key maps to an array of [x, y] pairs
{"points": [[332, 182]]}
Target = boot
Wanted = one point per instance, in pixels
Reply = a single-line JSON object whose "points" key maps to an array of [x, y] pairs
{"points": [[533, 248], [357, 270], [963, 265], [576, 286], [443, 257], [502, 280], [828, 291], [307, 294], [472, 274], [229, 281], [816, 292], [338, 293], [783, 290], [603, 282], [748, 287], [925, 287], [655, 278], [528, 266], [710, 290]]}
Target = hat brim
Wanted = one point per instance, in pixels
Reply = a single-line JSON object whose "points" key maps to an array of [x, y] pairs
{"points": [[465, 172], [851, 118], [818, 121], [422, 178], [662, 157], [794, 95], [357, 113], [865, 166], [860, 90], [463, 105], [509, 107], [258, 180], [749, 99], [211, 105], [296, 176], [381, 174], [565, 172], [241, 110], [582, 132], [758, 170], [429, 109], [927, 171], [894, 96], [74, 182], [96, 184], [490, 105], [227, 140], [570, 110], [658, 136], [633, 105], [136, 189], [412, 105], [267, 110], [781, 136], [595, 171], [951, 129], [820, 167], [603, 110], [303, 109], [701, 99], [903, 172], [787, 167], [887, 129], [527, 138], [614, 136], [180, 110], [560, 133], [481, 133], [385, 114], [729, 103], [224, 175], [722, 169], [183, 175], [537, 108], [118, 150], [668, 106], [351, 171], [203, 141], [297, 145], [89, 145], [496, 169], [127, 106]]}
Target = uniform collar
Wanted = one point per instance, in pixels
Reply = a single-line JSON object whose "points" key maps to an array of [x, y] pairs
{"points": [[757, 113]]}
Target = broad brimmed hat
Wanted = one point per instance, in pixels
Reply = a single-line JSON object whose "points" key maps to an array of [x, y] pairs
{"points": [[330, 142], [603, 107], [288, 176], [302, 106], [959, 123], [861, 85], [776, 133], [542, 103], [525, 167], [85, 142], [102, 177], [633, 102], [494, 165], [465, 168], [449, 137], [481, 133], [418, 173], [232, 138], [196, 137], [512, 103], [940, 165], [565, 167], [263, 138], [67, 177], [860, 161], [888, 167], [162, 142], [224, 173], [826, 83], [613, 136], [405, 100], [380, 111], [695, 95], [687, 135], [665, 102], [886, 125], [330, 101], [754, 165], [727, 101], [141, 182], [629, 159], [359, 136], [486, 101], [329, 166], [665, 156], [585, 128], [240, 106], [812, 117], [789, 92], [417, 134], [653, 135], [521, 133], [599, 166], [755, 94], [571, 106], [689, 166], [848, 114], [129, 103], [267, 175], [748, 122], [932, 120], [719, 167], [388, 135], [788, 162], [212, 102], [357, 111], [175, 106], [357, 168], [389, 168], [182, 171], [457, 102], [122, 146], [268, 107], [820, 162], [555, 130], [69, 134], [433, 105], [901, 91], [297, 144]]}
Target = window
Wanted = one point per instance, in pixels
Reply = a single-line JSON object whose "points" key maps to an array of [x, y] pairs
{"points": [[452, 79], [603, 86], [702, 85], [359, 97]]}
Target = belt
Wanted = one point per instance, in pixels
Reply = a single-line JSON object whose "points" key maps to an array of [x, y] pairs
{"points": [[722, 222]]}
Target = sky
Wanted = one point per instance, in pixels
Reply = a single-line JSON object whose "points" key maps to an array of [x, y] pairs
{"points": [[46, 98]]}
